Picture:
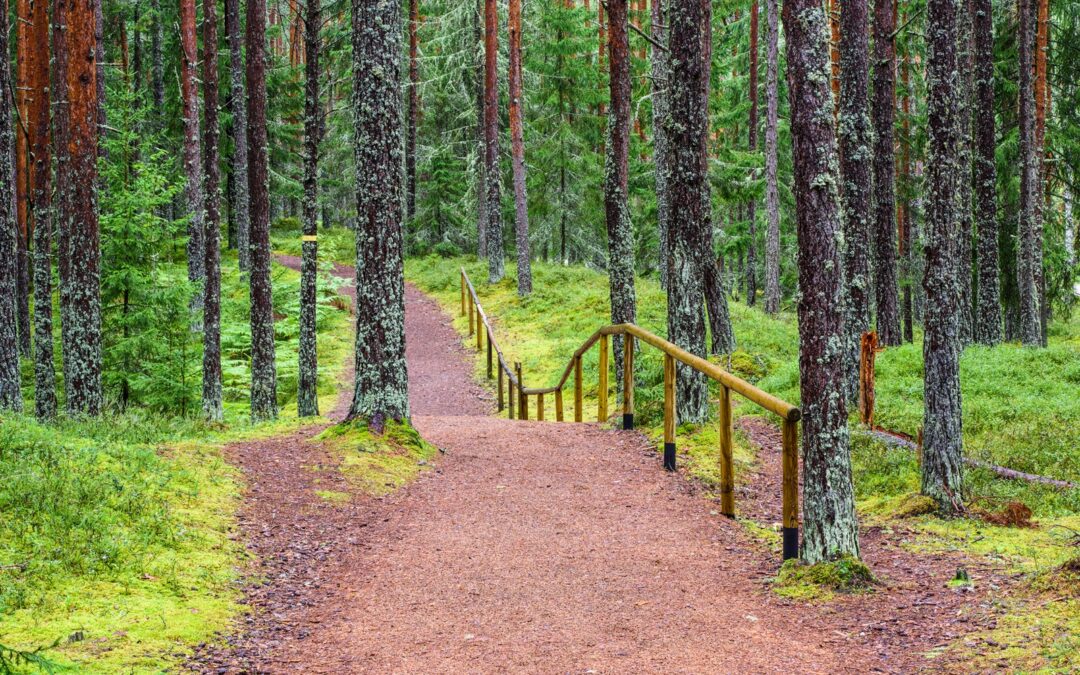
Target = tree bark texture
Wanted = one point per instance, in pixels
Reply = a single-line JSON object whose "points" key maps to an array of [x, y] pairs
{"points": [[660, 84], [212, 397], [942, 428], [10, 394], [21, 179], [382, 384], [1028, 253], [964, 251], [307, 396], [751, 247], [414, 109], [481, 126], [240, 206], [772, 191], [496, 265], [988, 309], [886, 287], [856, 158], [263, 366], [192, 157], [830, 527], [157, 61], [517, 151]]}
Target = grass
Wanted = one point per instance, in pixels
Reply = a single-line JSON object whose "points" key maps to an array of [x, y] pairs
{"points": [[799, 581], [378, 464]]}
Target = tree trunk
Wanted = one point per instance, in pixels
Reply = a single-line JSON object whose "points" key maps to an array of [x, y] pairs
{"points": [[481, 148], [830, 526], [1029, 245], [193, 192], [689, 240], [414, 110], [157, 62], [25, 228], [240, 206], [1070, 226], [905, 214], [496, 268], [10, 394], [751, 248], [82, 318], [616, 178], [517, 150], [660, 84], [988, 313], [964, 252], [856, 141], [382, 383], [884, 233], [212, 404], [307, 396], [772, 192], [1041, 85], [263, 367]]}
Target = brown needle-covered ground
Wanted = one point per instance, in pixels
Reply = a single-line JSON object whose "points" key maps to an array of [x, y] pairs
{"points": [[541, 547]]}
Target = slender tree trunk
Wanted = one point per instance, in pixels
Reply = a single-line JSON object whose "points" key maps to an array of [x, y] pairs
{"points": [[942, 429], [856, 142], [1041, 85], [905, 214], [414, 110], [382, 383], [60, 135], [82, 325], [496, 267], [751, 248], [1070, 226], [517, 150], [831, 529], [25, 229], [660, 84], [307, 397], [212, 387], [263, 367], [988, 314], [1027, 257], [240, 205], [884, 233], [481, 126], [10, 394], [157, 61], [772, 192], [964, 252], [193, 193]]}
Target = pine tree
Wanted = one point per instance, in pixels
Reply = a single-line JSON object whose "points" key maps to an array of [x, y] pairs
{"points": [[988, 312], [751, 248], [193, 194], [25, 225], [307, 398], [382, 384], [964, 252], [493, 226], [659, 84], [772, 192], [414, 109], [830, 527], [240, 204], [884, 233], [517, 152], [1028, 255], [10, 396], [212, 385]]}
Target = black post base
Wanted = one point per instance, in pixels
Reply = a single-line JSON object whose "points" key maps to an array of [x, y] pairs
{"points": [[791, 543], [628, 421], [669, 456]]}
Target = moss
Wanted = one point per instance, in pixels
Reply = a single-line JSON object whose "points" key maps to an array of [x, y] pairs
{"points": [[912, 505], [333, 496], [378, 464], [1034, 634], [800, 581]]}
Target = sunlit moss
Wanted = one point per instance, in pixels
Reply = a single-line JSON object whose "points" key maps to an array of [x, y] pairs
{"points": [[377, 464]]}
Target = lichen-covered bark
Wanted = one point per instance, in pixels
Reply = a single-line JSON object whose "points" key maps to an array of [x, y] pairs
{"points": [[660, 92], [856, 140], [1028, 254], [964, 251], [481, 152], [307, 398], [751, 247], [1070, 225], [414, 109], [192, 158], [82, 325], [10, 396], [942, 429], [689, 240], [830, 527], [382, 384], [723, 335], [263, 366], [240, 205], [211, 384], [616, 178], [517, 152], [988, 306], [886, 288], [493, 228], [157, 61], [772, 192], [60, 132], [25, 225]]}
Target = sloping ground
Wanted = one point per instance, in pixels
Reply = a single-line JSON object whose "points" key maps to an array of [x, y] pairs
{"points": [[533, 547]]}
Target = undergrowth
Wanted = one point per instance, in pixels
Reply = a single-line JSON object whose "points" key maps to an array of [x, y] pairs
{"points": [[799, 581], [377, 464]]}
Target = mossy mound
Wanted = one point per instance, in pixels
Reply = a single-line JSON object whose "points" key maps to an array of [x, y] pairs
{"points": [[913, 505], [378, 464], [800, 581]]}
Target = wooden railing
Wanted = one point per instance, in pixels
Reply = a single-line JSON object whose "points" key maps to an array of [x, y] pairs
{"points": [[515, 398]]}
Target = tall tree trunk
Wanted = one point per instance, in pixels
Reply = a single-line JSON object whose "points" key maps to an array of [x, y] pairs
{"points": [[82, 325], [307, 397], [1041, 85], [905, 212], [942, 428], [263, 367], [689, 240], [964, 251], [157, 61], [1027, 258], [481, 126], [10, 394], [751, 247], [211, 391], [239, 207], [884, 233], [25, 229], [517, 151], [1070, 225], [660, 84], [414, 110], [831, 529], [496, 268], [193, 192], [382, 383], [772, 192], [988, 313], [856, 141]]}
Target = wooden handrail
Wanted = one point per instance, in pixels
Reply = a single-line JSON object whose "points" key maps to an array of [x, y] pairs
{"points": [[519, 408]]}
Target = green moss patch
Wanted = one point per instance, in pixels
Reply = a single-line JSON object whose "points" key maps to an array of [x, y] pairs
{"points": [[800, 581], [378, 464]]}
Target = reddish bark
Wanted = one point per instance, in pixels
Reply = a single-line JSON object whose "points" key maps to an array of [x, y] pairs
{"points": [[212, 385], [517, 152]]}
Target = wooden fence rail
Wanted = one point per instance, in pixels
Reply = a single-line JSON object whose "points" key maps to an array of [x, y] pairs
{"points": [[515, 399]]}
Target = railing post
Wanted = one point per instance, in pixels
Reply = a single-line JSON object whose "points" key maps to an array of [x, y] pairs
{"points": [[602, 392], [523, 400], [540, 407], [511, 411], [727, 468], [669, 412], [500, 387], [628, 382], [471, 315], [490, 355], [462, 292], [479, 330], [558, 405], [577, 389], [791, 489]]}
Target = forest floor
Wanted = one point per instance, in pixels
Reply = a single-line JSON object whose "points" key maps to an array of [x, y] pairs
{"points": [[546, 547]]}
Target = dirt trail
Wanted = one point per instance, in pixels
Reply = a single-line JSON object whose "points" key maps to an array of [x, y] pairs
{"points": [[534, 547]]}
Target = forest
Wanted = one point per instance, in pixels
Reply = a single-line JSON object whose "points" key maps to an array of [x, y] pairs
{"points": [[295, 294]]}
